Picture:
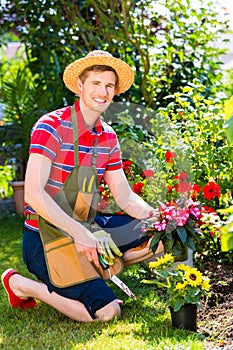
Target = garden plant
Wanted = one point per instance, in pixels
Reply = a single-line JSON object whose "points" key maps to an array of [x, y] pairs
{"points": [[174, 111]]}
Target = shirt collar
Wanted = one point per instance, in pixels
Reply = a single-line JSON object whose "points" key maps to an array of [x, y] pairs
{"points": [[98, 128]]}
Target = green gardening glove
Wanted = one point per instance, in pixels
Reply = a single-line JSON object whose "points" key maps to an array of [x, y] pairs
{"points": [[107, 245]]}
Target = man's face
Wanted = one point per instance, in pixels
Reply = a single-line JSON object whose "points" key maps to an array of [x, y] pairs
{"points": [[97, 90]]}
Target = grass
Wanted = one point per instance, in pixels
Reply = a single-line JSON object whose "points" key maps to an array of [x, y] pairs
{"points": [[144, 324]]}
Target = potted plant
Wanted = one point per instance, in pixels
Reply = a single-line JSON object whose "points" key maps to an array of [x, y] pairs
{"points": [[21, 101], [185, 286], [174, 225]]}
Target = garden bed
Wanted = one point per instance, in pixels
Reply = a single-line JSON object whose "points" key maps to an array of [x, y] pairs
{"points": [[215, 319]]}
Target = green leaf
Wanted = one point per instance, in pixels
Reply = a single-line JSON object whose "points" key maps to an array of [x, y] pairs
{"points": [[182, 233], [227, 242], [190, 243], [228, 126], [154, 242], [190, 227], [179, 303], [149, 281]]}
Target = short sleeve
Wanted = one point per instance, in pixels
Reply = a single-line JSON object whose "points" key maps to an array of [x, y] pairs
{"points": [[115, 161], [45, 138]]}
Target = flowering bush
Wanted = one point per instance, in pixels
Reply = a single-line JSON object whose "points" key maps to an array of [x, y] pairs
{"points": [[184, 217], [184, 284], [138, 180]]}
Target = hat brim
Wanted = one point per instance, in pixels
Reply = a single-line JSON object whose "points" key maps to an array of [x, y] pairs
{"points": [[74, 69]]}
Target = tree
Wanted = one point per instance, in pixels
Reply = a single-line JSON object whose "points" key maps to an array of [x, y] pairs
{"points": [[168, 43]]}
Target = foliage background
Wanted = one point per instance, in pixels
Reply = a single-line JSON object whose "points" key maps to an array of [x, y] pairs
{"points": [[178, 75], [168, 43]]}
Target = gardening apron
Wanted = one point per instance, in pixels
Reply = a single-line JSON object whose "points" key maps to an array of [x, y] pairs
{"points": [[79, 198]]}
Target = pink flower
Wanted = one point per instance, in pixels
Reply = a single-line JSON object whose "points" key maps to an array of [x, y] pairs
{"points": [[160, 226], [195, 211], [182, 216], [169, 213]]}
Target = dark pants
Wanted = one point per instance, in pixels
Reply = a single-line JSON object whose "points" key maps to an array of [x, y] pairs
{"points": [[93, 294]]}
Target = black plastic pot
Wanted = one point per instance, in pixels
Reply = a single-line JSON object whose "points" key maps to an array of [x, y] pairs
{"points": [[178, 249], [185, 318]]}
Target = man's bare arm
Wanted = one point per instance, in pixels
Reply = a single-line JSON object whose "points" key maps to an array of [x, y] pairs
{"points": [[37, 174], [127, 200]]}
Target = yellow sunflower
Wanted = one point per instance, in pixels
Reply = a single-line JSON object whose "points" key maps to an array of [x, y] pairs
{"points": [[161, 261], [205, 283], [181, 285], [182, 267], [193, 277]]}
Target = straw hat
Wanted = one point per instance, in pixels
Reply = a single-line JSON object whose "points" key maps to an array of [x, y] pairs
{"points": [[98, 57]]}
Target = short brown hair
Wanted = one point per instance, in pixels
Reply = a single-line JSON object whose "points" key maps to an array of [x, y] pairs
{"points": [[97, 68]]}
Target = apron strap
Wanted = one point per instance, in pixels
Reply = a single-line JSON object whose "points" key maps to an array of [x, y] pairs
{"points": [[75, 137], [95, 154], [75, 134]]}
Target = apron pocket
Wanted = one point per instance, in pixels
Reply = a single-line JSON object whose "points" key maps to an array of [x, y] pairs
{"points": [[83, 205], [66, 266]]}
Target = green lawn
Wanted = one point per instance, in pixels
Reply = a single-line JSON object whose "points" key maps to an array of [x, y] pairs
{"points": [[144, 324]]}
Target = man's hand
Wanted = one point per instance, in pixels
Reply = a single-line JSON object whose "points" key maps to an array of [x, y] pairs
{"points": [[88, 244], [107, 246]]}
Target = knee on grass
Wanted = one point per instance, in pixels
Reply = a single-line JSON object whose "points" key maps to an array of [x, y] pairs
{"points": [[108, 312]]}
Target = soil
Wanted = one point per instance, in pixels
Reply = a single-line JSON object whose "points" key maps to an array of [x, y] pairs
{"points": [[215, 318]]}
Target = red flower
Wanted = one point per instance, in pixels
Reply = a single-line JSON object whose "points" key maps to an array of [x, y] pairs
{"points": [[170, 188], [101, 189], [127, 164], [183, 187], [169, 157], [102, 205], [137, 188], [181, 177], [105, 196], [196, 188], [148, 173], [212, 233], [120, 212], [206, 209], [211, 190]]}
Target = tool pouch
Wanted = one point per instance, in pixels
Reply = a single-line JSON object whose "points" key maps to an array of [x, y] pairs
{"points": [[65, 265]]}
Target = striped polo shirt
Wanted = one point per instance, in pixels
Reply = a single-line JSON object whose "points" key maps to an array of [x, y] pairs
{"points": [[52, 137]]}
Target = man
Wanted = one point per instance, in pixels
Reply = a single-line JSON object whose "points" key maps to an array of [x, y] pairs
{"points": [[96, 78]]}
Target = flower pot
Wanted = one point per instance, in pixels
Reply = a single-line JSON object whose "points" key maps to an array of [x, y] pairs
{"points": [[18, 188], [177, 248], [185, 318]]}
